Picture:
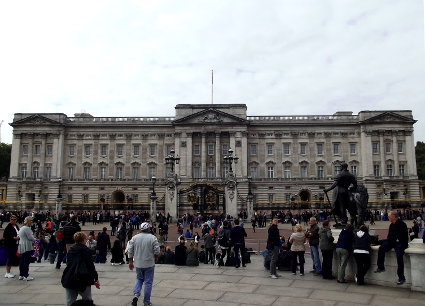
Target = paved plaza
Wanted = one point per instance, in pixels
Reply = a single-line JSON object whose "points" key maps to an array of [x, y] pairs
{"points": [[207, 285]]}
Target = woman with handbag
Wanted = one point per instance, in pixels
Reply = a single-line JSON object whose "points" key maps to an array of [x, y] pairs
{"points": [[80, 272], [26, 240], [297, 241], [11, 241]]}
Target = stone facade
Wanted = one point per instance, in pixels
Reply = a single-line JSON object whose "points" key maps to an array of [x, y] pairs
{"points": [[108, 162]]}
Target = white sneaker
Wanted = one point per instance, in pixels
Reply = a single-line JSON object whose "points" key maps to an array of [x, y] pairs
{"points": [[273, 276], [21, 277], [9, 275], [278, 275], [29, 278]]}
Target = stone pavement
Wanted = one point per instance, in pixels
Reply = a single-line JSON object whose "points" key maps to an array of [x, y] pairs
{"points": [[205, 285]]}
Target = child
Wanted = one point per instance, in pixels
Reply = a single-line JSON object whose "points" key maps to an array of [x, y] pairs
{"points": [[52, 249]]}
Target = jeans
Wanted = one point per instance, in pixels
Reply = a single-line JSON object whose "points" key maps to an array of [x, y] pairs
{"points": [[144, 275], [72, 294], [210, 255], [61, 254], [314, 251], [24, 265], [101, 257], [343, 256], [274, 259], [327, 264], [399, 252], [236, 248], [363, 265], [300, 256]]}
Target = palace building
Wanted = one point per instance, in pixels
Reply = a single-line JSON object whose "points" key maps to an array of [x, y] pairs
{"points": [[87, 162]]}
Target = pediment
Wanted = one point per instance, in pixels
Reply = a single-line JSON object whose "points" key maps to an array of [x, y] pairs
{"points": [[389, 117], [35, 120], [210, 116]]}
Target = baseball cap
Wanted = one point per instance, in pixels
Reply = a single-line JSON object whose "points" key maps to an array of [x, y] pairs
{"points": [[145, 225]]}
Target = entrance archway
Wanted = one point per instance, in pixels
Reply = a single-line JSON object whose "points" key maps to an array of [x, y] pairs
{"points": [[305, 195], [118, 200]]}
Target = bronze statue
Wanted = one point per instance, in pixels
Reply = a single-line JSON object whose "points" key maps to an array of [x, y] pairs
{"points": [[341, 194]]}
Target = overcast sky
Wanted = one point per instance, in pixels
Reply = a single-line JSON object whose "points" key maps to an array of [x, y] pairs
{"points": [[141, 58]]}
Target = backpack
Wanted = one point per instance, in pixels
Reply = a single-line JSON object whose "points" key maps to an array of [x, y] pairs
{"points": [[222, 238], [59, 233]]}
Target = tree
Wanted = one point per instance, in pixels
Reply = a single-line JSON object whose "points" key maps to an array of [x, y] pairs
{"points": [[5, 158], [420, 159]]}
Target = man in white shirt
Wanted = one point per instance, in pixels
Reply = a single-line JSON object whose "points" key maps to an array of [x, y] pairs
{"points": [[143, 250]]}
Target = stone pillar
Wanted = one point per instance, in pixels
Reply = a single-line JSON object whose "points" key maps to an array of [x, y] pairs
{"points": [[153, 199], [366, 154], [217, 155], [16, 156], [231, 196], [204, 156], [189, 154], [30, 154], [42, 172], [250, 206], [382, 153], [410, 154], [395, 154], [243, 158], [171, 198]]}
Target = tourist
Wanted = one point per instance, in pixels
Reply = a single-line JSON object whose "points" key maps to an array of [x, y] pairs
{"points": [[297, 241], [180, 253], [192, 255], [362, 253], [344, 247], [312, 234], [143, 250], [103, 246], [326, 246], [237, 236], [80, 273], [168, 256], [26, 240], [397, 239], [274, 240], [117, 254], [11, 242]]}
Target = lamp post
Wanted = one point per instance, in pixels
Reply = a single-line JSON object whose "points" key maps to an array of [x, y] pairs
{"points": [[250, 199], [170, 159], [153, 199], [229, 159]]}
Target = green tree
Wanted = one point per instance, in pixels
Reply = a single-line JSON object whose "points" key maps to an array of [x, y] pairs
{"points": [[420, 159], [5, 157]]}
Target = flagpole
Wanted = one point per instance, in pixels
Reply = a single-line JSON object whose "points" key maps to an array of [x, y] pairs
{"points": [[212, 86]]}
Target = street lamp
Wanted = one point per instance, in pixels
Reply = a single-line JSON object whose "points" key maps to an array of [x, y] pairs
{"points": [[171, 160], [229, 159]]}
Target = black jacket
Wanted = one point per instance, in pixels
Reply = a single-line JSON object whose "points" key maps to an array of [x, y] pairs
{"points": [[79, 255], [362, 243], [180, 255], [238, 234], [8, 235], [69, 230], [274, 235], [103, 242], [398, 233]]}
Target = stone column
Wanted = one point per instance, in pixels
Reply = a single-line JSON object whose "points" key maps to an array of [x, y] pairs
{"points": [[395, 153], [382, 153], [410, 154], [16, 156], [204, 156], [243, 160], [42, 173], [171, 196], [189, 154], [230, 193], [58, 155], [366, 154], [30, 154], [250, 206], [153, 199], [217, 155]]}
